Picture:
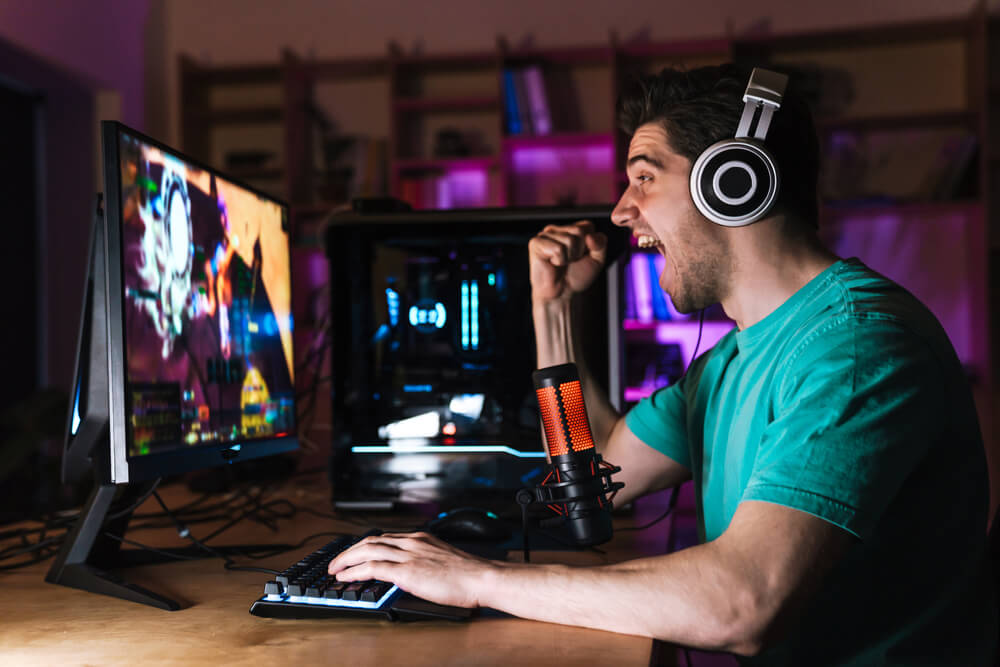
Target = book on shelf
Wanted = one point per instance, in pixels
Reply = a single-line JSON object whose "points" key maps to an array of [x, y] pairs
{"points": [[660, 297], [512, 114], [645, 301], [526, 101], [459, 189], [642, 290], [538, 103]]}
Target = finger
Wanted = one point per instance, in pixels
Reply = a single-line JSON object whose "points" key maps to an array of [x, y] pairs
{"points": [[365, 552], [373, 569], [597, 246], [574, 243], [416, 535], [549, 249], [569, 229]]}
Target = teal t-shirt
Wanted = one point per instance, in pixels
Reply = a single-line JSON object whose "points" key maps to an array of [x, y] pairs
{"points": [[848, 402]]}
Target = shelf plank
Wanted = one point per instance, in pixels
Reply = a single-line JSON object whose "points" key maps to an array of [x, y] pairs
{"points": [[357, 68], [694, 47], [237, 74], [425, 104], [446, 164], [887, 34], [448, 61], [929, 209], [558, 140], [585, 55], [963, 117], [236, 116]]}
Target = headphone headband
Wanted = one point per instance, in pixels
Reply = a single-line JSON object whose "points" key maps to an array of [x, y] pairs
{"points": [[764, 93]]}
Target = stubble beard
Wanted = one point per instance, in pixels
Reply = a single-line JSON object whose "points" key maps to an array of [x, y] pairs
{"points": [[701, 279]]}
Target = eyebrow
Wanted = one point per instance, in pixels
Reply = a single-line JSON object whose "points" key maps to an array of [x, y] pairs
{"points": [[642, 157]]}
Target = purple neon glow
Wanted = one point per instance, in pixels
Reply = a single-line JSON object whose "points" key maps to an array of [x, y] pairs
{"points": [[930, 253], [463, 188], [683, 334], [542, 159], [318, 269], [561, 172]]}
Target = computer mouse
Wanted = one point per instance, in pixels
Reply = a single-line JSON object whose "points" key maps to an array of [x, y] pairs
{"points": [[469, 524]]}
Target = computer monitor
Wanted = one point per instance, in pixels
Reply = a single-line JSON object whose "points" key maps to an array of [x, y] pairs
{"points": [[185, 355], [433, 350]]}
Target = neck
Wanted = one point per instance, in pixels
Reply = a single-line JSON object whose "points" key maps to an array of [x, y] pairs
{"points": [[769, 266]]}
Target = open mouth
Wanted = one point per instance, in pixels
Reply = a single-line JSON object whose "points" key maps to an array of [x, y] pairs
{"points": [[647, 241]]}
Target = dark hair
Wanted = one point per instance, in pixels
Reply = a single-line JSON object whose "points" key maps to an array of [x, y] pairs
{"points": [[702, 106]]}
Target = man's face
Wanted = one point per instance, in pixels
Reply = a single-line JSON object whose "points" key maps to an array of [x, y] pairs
{"points": [[657, 207]]}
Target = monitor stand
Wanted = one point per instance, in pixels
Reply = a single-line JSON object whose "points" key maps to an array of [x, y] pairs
{"points": [[93, 548]]}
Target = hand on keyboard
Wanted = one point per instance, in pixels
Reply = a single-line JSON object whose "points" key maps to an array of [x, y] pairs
{"points": [[418, 563], [306, 589]]}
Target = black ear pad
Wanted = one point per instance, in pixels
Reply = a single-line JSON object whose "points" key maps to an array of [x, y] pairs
{"points": [[734, 182]]}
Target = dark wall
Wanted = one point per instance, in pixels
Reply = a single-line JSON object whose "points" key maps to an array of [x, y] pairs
{"points": [[47, 173], [20, 344], [65, 153]]}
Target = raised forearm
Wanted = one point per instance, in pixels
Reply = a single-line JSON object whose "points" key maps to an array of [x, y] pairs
{"points": [[558, 341]]}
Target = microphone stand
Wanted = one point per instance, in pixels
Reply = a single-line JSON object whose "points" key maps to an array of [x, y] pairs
{"points": [[525, 498]]}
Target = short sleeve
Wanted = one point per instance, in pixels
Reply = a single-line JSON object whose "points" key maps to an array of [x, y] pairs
{"points": [[856, 412], [660, 422]]}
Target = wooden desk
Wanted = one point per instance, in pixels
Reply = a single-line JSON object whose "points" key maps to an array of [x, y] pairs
{"points": [[44, 624]]}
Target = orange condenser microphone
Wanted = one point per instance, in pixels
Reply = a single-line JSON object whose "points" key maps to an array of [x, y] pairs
{"points": [[578, 485]]}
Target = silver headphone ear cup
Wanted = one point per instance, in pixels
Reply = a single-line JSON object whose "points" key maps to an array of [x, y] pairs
{"points": [[734, 182]]}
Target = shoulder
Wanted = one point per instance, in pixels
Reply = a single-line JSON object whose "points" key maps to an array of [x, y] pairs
{"points": [[860, 312], [867, 327]]}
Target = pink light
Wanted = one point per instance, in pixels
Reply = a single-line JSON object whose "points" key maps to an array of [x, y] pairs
{"points": [[685, 334], [927, 251], [535, 159], [638, 393], [463, 188]]}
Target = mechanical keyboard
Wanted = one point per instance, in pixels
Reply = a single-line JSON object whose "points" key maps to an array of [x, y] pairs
{"points": [[305, 590]]}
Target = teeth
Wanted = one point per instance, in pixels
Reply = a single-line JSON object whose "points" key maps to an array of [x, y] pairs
{"points": [[646, 241]]}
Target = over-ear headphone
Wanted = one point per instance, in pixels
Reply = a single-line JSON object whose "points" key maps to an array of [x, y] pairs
{"points": [[735, 182]]}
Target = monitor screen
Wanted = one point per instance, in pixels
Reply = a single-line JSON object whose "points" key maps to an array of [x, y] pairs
{"points": [[434, 350], [205, 308]]}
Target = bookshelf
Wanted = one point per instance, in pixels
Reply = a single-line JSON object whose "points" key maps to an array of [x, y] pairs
{"points": [[444, 122]]}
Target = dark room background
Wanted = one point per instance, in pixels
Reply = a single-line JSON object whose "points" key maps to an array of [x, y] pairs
{"points": [[64, 65]]}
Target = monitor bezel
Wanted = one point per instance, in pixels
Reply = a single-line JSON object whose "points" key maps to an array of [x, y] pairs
{"points": [[125, 468]]}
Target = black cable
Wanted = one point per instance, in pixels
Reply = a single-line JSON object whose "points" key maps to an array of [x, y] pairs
{"points": [[36, 559], [670, 508], [140, 545], [45, 547], [687, 657], [249, 568], [137, 503], [25, 549], [697, 342], [228, 562], [285, 549], [184, 531]]}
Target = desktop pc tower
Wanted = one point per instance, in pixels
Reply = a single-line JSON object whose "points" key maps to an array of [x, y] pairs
{"points": [[433, 350]]}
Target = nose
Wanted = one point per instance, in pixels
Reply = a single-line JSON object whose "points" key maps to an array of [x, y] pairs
{"points": [[625, 210]]}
